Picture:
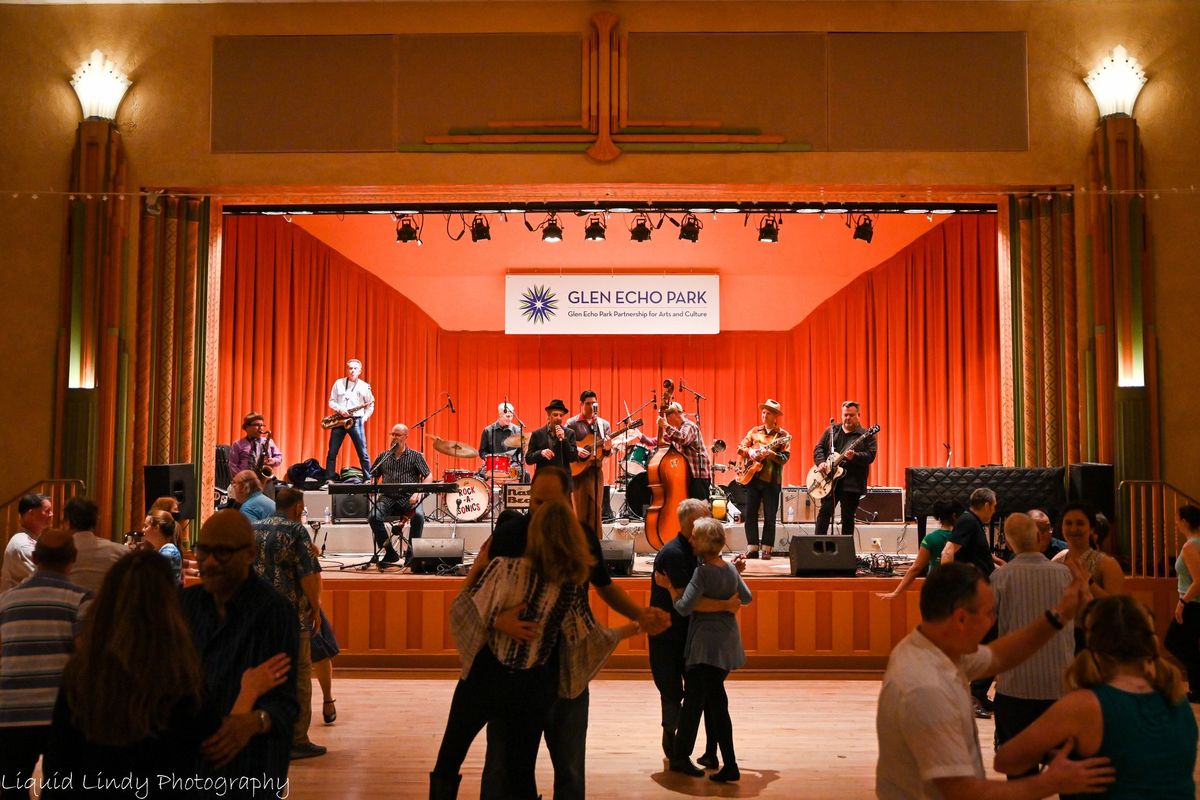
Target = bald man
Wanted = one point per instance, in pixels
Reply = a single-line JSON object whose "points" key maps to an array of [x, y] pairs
{"points": [[238, 621], [1049, 545]]}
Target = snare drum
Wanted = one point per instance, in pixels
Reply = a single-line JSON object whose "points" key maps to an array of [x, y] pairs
{"points": [[496, 463], [469, 502], [638, 460], [455, 475]]}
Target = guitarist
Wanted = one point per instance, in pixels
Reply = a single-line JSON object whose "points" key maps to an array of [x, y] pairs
{"points": [[765, 487], [589, 484], [398, 464], [851, 486], [685, 436]]}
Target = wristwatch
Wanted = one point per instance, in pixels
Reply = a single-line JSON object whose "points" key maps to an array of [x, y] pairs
{"points": [[1054, 618], [264, 720]]}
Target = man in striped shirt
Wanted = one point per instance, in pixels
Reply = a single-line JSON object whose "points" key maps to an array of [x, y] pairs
{"points": [[1025, 587], [39, 621]]}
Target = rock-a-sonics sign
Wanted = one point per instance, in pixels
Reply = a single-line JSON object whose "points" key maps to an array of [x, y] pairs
{"points": [[612, 304]]}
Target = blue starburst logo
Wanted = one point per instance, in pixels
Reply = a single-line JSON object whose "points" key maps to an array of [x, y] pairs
{"points": [[538, 304]]}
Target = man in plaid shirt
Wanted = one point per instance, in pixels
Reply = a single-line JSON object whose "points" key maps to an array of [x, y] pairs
{"points": [[685, 436]]}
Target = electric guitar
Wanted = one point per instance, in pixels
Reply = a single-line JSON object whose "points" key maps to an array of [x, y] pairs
{"points": [[822, 483], [745, 469], [598, 453]]}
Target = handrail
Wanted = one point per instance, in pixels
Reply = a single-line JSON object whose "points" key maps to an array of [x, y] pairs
{"points": [[59, 490], [1148, 511]]}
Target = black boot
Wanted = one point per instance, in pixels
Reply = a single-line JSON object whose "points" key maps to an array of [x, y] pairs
{"points": [[442, 788]]}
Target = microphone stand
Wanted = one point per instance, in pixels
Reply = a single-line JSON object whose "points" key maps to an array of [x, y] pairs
{"points": [[436, 516], [684, 388]]}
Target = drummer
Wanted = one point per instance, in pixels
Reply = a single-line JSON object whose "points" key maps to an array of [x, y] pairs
{"points": [[502, 438], [685, 436]]}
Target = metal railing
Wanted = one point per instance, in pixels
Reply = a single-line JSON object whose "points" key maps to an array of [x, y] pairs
{"points": [[59, 490], [1149, 510]]}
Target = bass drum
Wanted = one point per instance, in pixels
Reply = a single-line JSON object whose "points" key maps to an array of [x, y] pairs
{"points": [[470, 502], [637, 495]]}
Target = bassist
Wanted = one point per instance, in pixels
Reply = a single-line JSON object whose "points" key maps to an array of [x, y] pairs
{"points": [[851, 486], [763, 491], [685, 436]]}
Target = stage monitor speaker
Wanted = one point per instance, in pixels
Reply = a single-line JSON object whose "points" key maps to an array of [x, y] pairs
{"points": [[435, 556], [823, 556], [1094, 485], [349, 507], [883, 503], [796, 506], [618, 556], [171, 480]]}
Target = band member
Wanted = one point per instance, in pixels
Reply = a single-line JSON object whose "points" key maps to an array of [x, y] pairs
{"points": [[491, 442], [553, 445], [245, 452], [589, 484], [685, 436], [765, 487], [350, 398], [398, 464], [851, 486]]}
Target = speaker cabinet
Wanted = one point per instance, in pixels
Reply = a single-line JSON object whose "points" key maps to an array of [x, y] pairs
{"points": [[434, 556], [618, 556], [883, 504], [171, 480], [349, 507], [823, 557], [796, 506], [1094, 485]]}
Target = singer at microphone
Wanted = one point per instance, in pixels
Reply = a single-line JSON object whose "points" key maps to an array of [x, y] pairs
{"points": [[553, 444]]}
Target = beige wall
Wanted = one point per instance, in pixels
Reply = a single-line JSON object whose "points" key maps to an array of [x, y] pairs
{"points": [[165, 121]]}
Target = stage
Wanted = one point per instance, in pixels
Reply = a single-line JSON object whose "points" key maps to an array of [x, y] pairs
{"points": [[816, 626]]}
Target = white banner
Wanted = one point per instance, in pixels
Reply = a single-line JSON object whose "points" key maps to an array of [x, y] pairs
{"points": [[612, 304]]}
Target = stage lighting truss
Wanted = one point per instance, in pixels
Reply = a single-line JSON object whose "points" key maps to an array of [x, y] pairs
{"points": [[595, 229], [863, 225], [408, 228], [768, 228]]}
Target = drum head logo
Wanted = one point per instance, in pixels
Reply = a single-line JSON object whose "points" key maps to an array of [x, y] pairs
{"points": [[538, 304]]}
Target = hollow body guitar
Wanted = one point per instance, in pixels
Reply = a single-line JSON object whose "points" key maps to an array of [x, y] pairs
{"points": [[745, 469], [821, 483]]}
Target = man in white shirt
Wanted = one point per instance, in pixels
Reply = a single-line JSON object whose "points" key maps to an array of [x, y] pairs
{"points": [[36, 514], [350, 398], [94, 556], [928, 741]]}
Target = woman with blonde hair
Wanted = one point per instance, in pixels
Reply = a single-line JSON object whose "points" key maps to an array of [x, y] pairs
{"points": [[511, 683], [1126, 703], [714, 649]]}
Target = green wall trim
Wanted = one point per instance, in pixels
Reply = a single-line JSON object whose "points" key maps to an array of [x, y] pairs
{"points": [[1014, 264]]}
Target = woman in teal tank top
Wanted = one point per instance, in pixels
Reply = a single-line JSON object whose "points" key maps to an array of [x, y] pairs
{"points": [[1128, 705], [929, 555], [1183, 636]]}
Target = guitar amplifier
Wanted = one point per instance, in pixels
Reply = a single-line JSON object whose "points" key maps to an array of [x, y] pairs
{"points": [[885, 503], [796, 506]]}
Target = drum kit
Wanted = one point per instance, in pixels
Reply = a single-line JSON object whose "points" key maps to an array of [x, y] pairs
{"points": [[473, 500]]}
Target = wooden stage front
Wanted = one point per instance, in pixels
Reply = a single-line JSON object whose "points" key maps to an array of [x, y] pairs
{"points": [[818, 626]]}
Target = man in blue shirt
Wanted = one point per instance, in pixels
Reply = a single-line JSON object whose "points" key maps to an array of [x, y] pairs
{"points": [[248, 492]]}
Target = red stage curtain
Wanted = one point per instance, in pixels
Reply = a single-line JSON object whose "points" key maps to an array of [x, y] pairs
{"points": [[916, 341]]}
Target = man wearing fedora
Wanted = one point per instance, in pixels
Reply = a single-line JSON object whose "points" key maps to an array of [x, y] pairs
{"points": [[853, 484], [554, 444], [762, 445]]}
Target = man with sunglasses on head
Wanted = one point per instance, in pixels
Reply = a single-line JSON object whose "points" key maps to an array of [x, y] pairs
{"points": [[238, 621]]}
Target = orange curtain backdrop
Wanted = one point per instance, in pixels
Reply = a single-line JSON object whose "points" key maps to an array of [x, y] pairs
{"points": [[916, 341], [294, 311]]}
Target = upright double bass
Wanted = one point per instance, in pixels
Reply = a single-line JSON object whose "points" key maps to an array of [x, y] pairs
{"points": [[668, 475]]}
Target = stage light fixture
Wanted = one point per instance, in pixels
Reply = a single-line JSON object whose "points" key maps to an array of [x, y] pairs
{"points": [[595, 230], [100, 87], [863, 225], [641, 229], [689, 229], [480, 230], [1116, 82], [408, 229], [768, 229], [551, 230]]}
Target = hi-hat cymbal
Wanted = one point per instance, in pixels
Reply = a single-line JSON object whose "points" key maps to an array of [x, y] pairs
{"points": [[517, 441], [627, 437], [454, 449]]}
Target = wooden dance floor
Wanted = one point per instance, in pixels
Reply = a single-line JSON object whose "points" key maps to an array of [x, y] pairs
{"points": [[795, 739]]}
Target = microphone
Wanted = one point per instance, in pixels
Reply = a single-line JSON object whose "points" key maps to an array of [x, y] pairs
{"points": [[450, 403]]}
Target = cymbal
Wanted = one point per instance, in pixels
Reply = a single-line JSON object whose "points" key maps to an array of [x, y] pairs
{"points": [[454, 449], [517, 441], [627, 437]]}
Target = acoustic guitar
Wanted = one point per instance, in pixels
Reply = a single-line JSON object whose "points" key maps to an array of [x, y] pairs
{"points": [[598, 453], [822, 483]]}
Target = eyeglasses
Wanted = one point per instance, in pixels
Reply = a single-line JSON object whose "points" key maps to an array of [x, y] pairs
{"points": [[221, 553]]}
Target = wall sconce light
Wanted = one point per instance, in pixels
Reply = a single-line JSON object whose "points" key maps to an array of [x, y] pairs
{"points": [[1116, 82], [100, 86]]}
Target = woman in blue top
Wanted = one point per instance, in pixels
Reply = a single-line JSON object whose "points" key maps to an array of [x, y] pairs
{"points": [[1128, 706], [929, 555], [714, 648], [158, 532], [1183, 636]]}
